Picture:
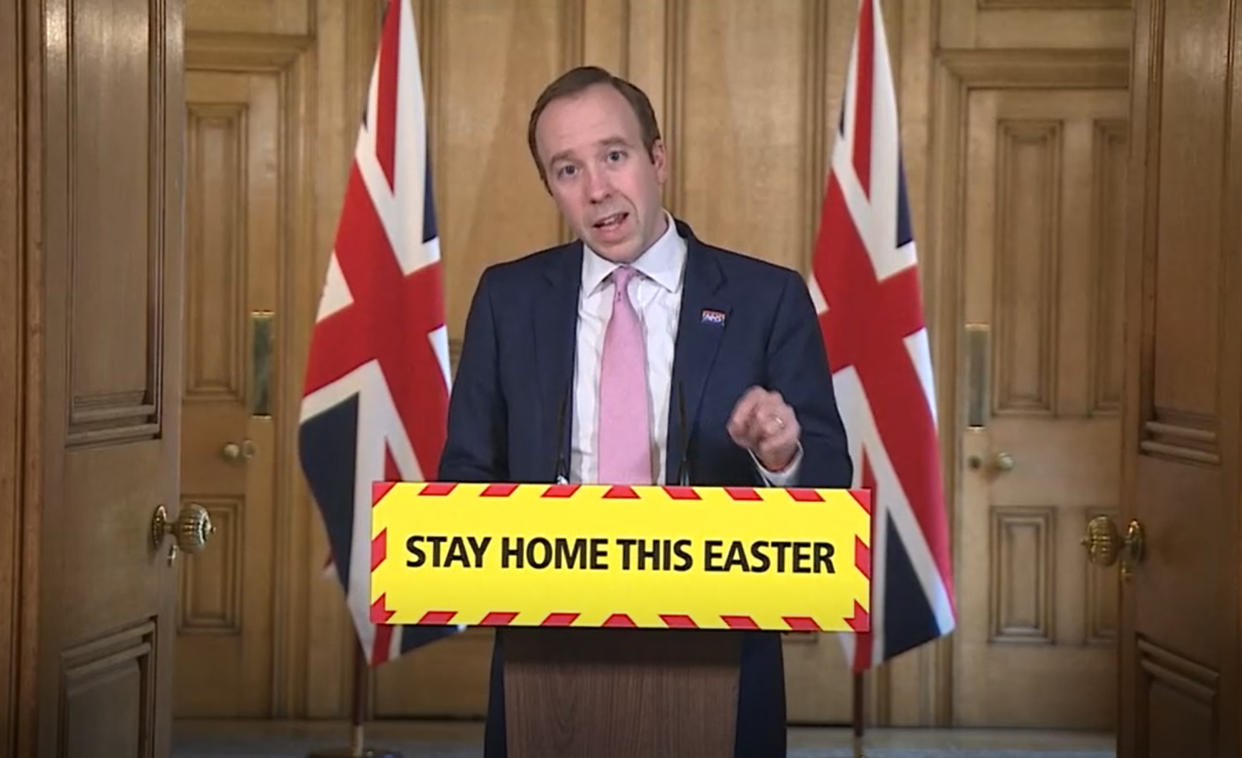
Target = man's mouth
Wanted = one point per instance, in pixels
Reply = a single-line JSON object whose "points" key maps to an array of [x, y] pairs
{"points": [[613, 221]]}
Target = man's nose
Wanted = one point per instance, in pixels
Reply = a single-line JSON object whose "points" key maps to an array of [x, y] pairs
{"points": [[599, 186]]}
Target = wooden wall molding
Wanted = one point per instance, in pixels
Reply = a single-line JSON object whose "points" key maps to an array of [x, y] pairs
{"points": [[1110, 149], [21, 366], [426, 20], [1007, 592], [1191, 693], [428, 16], [1011, 68], [1181, 436], [817, 131], [1051, 5], [1027, 250], [676, 22], [220, 611], [206, 379], [115, 665], [244, 51], [572, 20]]}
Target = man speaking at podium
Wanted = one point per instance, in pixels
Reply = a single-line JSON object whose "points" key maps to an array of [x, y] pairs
{"points": [[638, 354]]}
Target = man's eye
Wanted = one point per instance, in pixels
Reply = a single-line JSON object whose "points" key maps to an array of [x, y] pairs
{"points": [[565, 172], [616, 155]]}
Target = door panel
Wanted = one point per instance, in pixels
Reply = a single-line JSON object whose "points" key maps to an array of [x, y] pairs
{"points": [[111, 225], [1179, 642], [1043, 304]]}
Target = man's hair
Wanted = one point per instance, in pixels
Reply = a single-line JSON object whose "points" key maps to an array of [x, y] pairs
{"points": [[575, 81]]}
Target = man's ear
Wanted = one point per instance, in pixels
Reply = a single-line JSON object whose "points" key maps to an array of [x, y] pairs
{"points": [[659, 159]]}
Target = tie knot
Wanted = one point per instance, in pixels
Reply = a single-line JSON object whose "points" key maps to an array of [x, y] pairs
{"points": [[621, 277]]}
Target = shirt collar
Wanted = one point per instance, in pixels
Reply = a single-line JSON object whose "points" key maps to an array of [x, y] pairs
{"points": [[663, 262]]}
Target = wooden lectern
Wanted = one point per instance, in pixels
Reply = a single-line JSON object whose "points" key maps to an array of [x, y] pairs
{"points": [[620, 692]]}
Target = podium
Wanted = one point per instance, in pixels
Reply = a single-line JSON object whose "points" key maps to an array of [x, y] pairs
{"points": [[620, 610], [620, 692]]}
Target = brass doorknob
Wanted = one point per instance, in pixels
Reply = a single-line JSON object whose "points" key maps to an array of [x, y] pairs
{"points": [[1001, 462], [1101, 541], [1105, 544], [191, 530], [233, 452]]}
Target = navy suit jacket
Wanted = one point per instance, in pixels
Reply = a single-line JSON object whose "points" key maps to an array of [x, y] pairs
{"points": [[509, 419], [516, 371]]}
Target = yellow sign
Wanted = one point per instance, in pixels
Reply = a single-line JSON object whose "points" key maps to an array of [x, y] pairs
{"points": [[600, 556]]}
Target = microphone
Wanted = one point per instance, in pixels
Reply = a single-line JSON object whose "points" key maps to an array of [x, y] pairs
{"points": [[683, 459], [561, 465]]}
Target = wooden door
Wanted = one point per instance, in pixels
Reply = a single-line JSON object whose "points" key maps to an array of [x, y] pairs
{"points": [[1181, 446], [225, 619], [1044, 204], [111, 131]]}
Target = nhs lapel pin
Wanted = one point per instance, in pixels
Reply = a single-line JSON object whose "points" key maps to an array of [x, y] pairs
{"points": [[712, 316]]}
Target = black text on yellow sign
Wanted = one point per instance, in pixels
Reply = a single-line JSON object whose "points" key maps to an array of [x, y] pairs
{"points": [[629, 553]]}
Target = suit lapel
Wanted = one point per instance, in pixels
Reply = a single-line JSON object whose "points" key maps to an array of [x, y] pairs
{"points": [[555, 325], [701, 325]]}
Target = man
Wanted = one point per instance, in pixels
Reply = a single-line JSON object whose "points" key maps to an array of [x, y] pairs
{"points": [[640, 355]]}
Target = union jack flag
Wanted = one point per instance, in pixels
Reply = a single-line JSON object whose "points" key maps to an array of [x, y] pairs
{"points": [[375, 399], [865, 284]]}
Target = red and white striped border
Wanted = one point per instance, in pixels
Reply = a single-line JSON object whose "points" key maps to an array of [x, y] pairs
{"points": [[622, 492], [860, 622]]}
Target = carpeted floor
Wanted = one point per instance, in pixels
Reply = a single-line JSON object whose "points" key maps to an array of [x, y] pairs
{"points": [[212, 739]]}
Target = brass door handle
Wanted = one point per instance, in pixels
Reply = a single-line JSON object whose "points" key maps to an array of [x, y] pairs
{"points": [[1105, 545], [233, 452], [1002, 461], [190, 531]]}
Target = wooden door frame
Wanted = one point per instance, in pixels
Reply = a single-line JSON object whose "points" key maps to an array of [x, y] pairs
{"points": [[290, 58], [21, 350], [957, 73]]}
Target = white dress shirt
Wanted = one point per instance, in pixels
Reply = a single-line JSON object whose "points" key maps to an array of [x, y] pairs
{"points": [[656, 295]]}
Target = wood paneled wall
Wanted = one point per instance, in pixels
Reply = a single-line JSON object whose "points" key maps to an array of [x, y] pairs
{"points": [[747, 95]]}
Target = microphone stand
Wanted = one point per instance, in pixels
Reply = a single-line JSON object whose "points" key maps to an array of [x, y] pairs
{"points": [[858, 715], [683, 461], [560, 460]]}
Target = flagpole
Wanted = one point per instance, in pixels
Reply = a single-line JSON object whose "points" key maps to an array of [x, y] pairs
{"points": [[858, 714], [358, 717], [362, 688]]}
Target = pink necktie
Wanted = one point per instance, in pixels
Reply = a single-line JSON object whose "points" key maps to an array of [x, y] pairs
{"points": [[624, 419]]}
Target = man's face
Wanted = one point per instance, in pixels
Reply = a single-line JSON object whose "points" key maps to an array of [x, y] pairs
{"points": [[599, 173]]}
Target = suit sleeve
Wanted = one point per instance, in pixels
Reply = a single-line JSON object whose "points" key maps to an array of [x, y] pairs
{"points": [[798, 369], [476, 449]]}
